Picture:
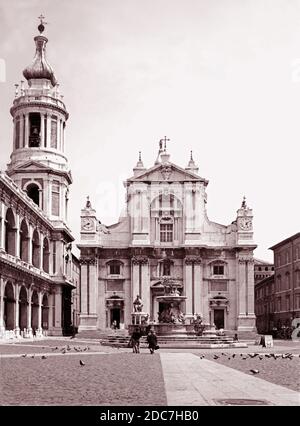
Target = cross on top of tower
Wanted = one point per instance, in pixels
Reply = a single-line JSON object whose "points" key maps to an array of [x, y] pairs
{"points": [[163, 142]]}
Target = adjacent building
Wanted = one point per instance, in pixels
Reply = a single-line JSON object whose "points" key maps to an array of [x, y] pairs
{"points": [[165, 234], [37, 273], [277, 298]]}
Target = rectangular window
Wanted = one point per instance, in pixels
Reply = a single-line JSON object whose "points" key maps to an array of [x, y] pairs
{"points": [[279, 304], [53, 132], [34, 129], [166, 233], [18, 134], [114, 269], [55, 198], [218, 269], [288, 303]]}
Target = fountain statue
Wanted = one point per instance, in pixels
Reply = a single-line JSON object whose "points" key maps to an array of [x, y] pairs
{"points": [[171, 301]]}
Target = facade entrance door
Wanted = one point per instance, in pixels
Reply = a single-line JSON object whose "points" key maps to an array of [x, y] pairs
{"points": [[219, 318], [115, 315]]}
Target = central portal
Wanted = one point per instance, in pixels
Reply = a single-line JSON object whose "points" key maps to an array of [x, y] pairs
{"points": [[219, 318], [115, 315]]}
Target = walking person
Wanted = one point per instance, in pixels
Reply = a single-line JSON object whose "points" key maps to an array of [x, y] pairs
{"points": [[135, 340], [152, 341]]}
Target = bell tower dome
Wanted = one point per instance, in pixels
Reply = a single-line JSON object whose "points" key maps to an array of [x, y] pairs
{"points": [[38, 163]]}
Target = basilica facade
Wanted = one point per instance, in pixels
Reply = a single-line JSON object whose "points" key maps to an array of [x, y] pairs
{"points": [[37, 268], [165, 234]]}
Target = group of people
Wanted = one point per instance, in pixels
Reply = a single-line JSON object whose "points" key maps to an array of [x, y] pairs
{"points": [[151, 340]]}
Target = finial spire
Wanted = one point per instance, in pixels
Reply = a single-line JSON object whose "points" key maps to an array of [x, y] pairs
{"points": [[41, 27], [244, 205], [88, 203], [140, 156], [192, 156]]}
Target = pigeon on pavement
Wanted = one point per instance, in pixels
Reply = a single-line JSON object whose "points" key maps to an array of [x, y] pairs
{"points": [[254, 371], [81, 362]]}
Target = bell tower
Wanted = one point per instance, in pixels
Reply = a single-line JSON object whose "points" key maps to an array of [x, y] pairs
{"points": [[38, 163]]}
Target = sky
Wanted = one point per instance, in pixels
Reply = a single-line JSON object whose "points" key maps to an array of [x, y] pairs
{"points": [[218, 77]]}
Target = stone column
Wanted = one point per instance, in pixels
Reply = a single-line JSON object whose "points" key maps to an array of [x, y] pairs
{"points": [[17, 328], [18, 236], [58, 135], [30, 245], [242, 286], [40, 330], [198, 283], [29, 329], [48, 136], [2, 328], [135, 279], [188, 281], [21, 140], [89, 294], [250, 287], [2, 225], [146, 293], [41, 250], [58, 310], [188, 208], [26, 130], [42, 131]]}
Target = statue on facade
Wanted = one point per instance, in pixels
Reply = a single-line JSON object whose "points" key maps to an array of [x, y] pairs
{"points": [[138, 304]]}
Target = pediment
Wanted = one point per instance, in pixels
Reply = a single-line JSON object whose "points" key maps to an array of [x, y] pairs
{"points": [[32, 165], [167, 172]]}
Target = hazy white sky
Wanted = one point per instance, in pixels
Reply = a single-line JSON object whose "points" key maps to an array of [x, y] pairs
{"points": [[220, 77]]}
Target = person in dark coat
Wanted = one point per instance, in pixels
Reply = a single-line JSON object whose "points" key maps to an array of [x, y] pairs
{"points": [[152, 341], [135, 340]]}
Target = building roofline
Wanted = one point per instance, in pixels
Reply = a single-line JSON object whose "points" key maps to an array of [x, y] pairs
{"points": [[265, 280], [293, 237]]}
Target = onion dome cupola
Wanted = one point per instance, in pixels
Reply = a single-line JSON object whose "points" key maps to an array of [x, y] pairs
{"points": [[40, 68]]}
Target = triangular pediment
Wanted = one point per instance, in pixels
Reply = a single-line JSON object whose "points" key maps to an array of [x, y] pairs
{"points": [[167, 172]]}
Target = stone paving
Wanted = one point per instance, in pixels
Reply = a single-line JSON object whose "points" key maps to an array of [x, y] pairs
{"points": [[50, 373]]}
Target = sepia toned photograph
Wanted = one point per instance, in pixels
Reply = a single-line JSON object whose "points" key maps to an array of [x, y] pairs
{"points": [[149, 211]]}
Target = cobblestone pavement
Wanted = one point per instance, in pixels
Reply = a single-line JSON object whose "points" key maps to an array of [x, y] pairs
{"points": [[113, 376], [284, 372], [115, 379]]}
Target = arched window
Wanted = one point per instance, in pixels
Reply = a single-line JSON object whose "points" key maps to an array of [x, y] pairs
{"points": [[46, 255], [279, 283], [23, 304], [24, 241], [36, 249], [114, 267], [10, 233], [34, 129], [287, 281], [165, 268], [9, 307], [33, 192], [45, 312]]}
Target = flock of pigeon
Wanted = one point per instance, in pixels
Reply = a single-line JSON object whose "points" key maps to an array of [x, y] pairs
{"points": [[63, 350], [259, 356]]}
